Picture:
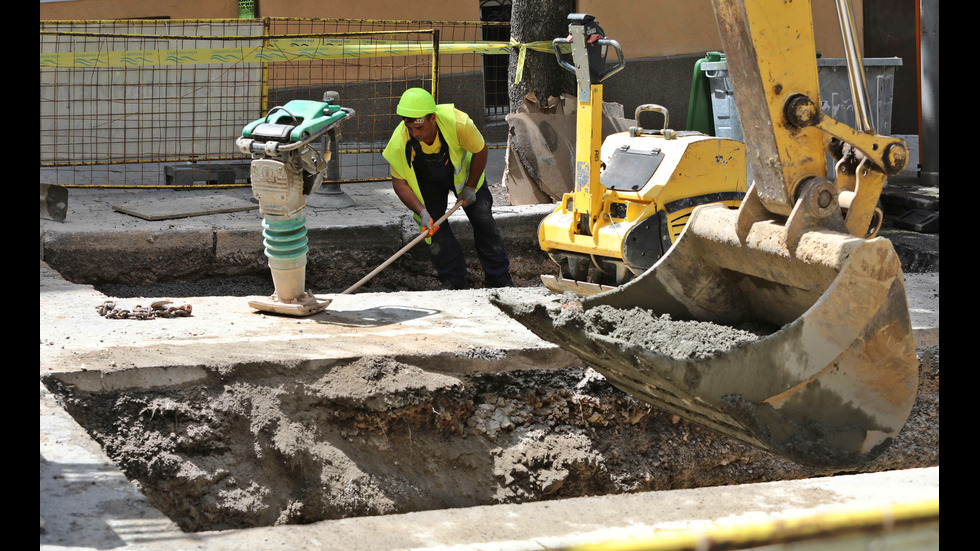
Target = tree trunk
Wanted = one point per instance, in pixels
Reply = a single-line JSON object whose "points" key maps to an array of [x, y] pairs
{"points": [[532, 21]]}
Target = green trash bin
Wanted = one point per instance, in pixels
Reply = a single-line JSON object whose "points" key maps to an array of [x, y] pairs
{"points": [[700, 115]]}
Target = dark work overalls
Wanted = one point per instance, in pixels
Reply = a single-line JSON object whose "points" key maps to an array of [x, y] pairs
{"points": [[434, 173]]}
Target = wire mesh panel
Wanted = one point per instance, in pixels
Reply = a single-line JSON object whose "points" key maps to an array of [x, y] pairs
{"points": [[160, 102], [130, 102], [366, 66]]}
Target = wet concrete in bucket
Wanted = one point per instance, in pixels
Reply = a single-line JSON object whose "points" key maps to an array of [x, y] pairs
{"points": [[678, 339]]}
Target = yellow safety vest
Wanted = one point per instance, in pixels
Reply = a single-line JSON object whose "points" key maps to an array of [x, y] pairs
{"points": [[394, 152]]}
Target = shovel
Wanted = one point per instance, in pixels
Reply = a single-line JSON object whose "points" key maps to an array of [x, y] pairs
{"points": [[394, 257]]}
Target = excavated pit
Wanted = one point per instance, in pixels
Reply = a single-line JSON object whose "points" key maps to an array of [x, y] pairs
{"points": [[378, 435]]}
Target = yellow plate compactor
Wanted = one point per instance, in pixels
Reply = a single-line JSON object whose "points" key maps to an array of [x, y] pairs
{"points": [[633, 195]]}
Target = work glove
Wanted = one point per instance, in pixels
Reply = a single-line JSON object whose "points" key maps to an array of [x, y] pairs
{"points": [[467, 195], [427, 223]]}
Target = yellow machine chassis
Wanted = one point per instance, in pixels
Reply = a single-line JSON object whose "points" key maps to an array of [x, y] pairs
{"points": [[694, 170]]}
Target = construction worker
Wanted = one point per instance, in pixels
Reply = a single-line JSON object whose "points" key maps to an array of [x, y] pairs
{"points": [[435, 150]]}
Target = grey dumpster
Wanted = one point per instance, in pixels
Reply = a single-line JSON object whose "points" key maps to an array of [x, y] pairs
{"points": [[835, 94]]}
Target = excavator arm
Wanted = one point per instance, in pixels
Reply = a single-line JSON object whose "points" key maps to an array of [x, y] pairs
{"points": [[835, 383], [774, 70]]}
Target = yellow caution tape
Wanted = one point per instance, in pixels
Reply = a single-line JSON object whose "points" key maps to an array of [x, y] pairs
{"points": [[826, 525], [541, 46], [519, 70], [278, 49]]}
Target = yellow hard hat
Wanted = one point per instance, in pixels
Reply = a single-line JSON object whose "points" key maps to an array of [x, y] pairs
{"points": [[416, 103]]}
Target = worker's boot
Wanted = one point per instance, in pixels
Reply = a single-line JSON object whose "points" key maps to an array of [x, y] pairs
{"points": [[452, 284]]}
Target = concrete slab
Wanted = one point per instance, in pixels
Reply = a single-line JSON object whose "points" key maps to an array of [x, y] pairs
{"points": [[224, 333], [85, 500], [163, 209]]}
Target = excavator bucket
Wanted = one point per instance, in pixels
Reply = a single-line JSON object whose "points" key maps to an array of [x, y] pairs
{"points": [[834, 380], [830, 388]]}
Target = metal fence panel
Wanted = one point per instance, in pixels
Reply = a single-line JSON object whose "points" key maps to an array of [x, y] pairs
{"points": [[160, 102]]}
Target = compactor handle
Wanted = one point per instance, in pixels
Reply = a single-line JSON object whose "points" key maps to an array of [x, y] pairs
{"points": [[638, 130], [280, 108], [249, 145], [620, 61], [582, 30], [557, 45]]}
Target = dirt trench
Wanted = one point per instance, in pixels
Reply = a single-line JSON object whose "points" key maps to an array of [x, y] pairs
{"points": [[378, 436]]}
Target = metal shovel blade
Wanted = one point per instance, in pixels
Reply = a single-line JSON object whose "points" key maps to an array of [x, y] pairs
{"points": [[54, 202], [830, 388]]}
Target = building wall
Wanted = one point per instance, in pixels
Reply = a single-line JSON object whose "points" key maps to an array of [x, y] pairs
{"points": [[158, 9], [653, 28], [644, 28], [891, 32], [436, 10], [423, 10]]}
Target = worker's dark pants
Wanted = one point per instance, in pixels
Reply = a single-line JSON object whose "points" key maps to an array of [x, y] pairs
{"points": [[445, 252]]}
